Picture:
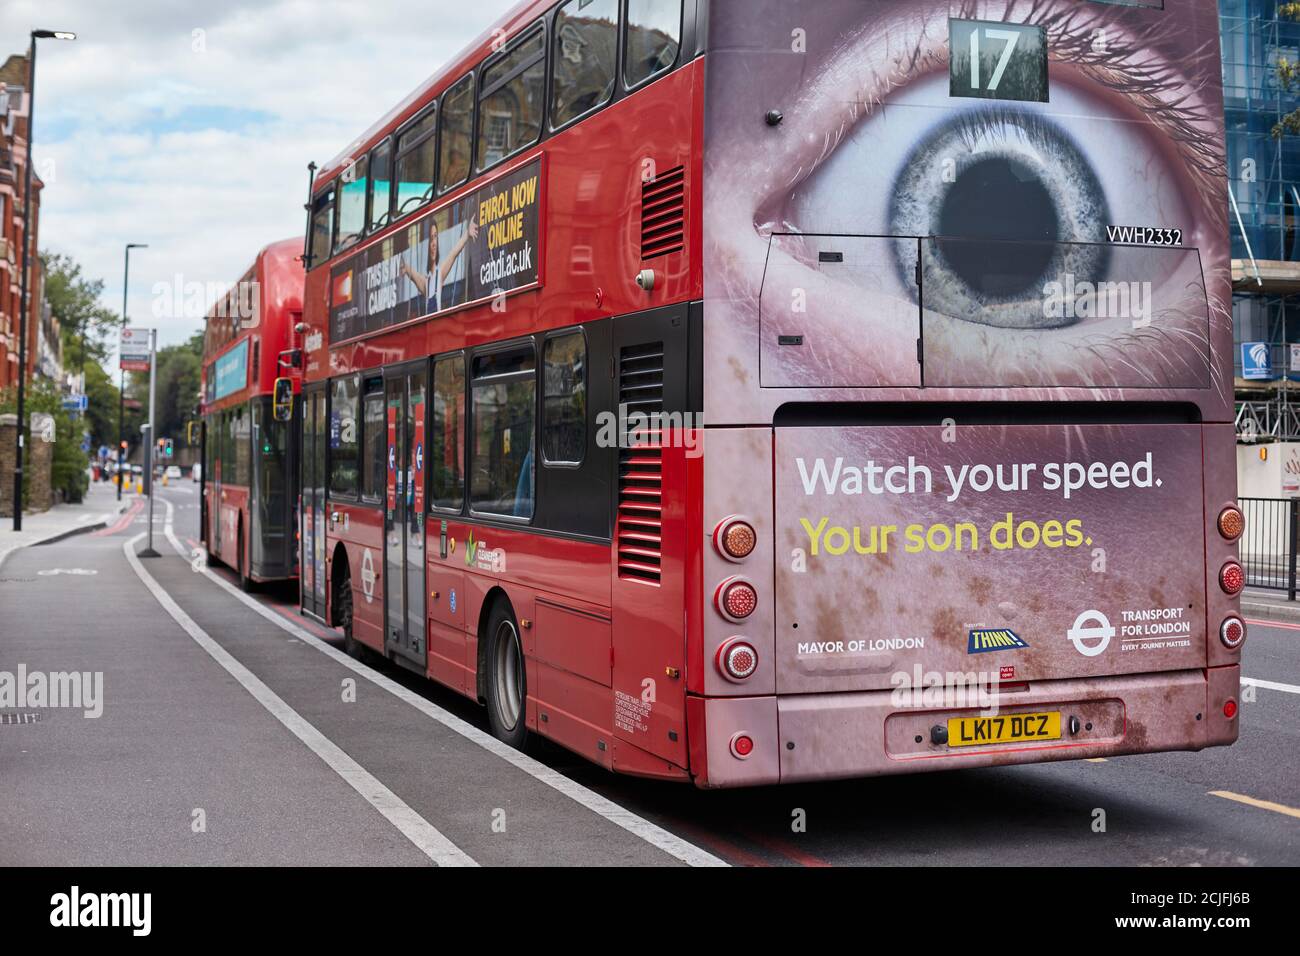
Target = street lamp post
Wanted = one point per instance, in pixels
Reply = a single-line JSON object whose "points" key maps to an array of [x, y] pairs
{"points": [[121, 390], [27, 243]]}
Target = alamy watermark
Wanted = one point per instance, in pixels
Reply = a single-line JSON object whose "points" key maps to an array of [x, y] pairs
{"points": [[629, 428], [179, 299], [76, 690]]}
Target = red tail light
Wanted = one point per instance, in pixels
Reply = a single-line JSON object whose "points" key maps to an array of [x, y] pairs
{"points": [[735, 599], [742, 745], [1232, 578], [734, 538], [1232, 632], [1230, 709], [1231, 523], [737, 659]]}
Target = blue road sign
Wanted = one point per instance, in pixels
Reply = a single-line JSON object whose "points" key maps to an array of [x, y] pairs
{"points": [[1256, 361]]}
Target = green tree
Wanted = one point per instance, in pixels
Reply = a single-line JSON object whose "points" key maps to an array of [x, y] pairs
{"points": [[69, 465], [86, 325]]}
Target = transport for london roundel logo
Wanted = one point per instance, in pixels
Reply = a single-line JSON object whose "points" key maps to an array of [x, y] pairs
{"points": [[1088, 627]]}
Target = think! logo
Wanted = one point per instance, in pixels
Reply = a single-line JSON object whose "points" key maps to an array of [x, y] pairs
{"points": [[983, 639]]}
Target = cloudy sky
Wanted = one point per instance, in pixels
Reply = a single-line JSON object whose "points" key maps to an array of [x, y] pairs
{"points": [[188, 124]]}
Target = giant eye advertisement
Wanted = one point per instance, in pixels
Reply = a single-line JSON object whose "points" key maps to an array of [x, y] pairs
{"points": [[968, 202], [1004, 196], [479, 246]]}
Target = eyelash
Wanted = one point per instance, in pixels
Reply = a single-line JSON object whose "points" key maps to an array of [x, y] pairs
{"points": [[1151, 91]]}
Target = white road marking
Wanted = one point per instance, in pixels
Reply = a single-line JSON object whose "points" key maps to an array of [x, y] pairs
{"points": [[640, 827], [1271, 685], [412, 826]]}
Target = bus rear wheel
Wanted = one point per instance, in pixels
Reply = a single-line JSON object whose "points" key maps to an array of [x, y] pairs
{"points": [[507, 684], [245, 582], [343, 618]]}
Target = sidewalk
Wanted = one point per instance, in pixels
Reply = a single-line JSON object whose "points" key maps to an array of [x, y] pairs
{"points": [[98, 508], [1269, 605]]}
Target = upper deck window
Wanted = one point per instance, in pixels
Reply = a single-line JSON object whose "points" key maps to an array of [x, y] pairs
{"points": [[322, 224], [381, 164], [584, 58], [654, 34], [455, 134], [511, 101], [416, 154], [351, 218]]}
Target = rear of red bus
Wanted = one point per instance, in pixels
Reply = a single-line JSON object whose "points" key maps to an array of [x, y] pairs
{"points": [[967, 491], [249, 469]]}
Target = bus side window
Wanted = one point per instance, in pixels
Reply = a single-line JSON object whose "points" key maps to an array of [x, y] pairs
{"points": [[510, 104], [351, 208], [455, 129], [416, 153], [374, 436], [378, 202], [503, 392], [446, 461], [654, 32], [584, 53], [564, 399], [343, 437]]}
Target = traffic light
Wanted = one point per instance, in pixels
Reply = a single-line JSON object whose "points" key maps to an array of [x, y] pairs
{"points": [[192, 433], [167, 448]]}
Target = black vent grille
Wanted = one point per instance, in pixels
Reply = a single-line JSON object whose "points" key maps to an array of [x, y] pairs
{"points": [[640, 468], [663, 214]]}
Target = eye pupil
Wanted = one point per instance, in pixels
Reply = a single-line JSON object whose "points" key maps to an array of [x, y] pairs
{"points": [[998, 198]]}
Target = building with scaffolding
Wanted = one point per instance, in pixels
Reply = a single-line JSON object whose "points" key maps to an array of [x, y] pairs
{"points": [[1260, 38]]}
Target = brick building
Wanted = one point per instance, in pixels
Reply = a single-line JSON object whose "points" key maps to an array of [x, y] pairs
{"points": [[14, 107]]}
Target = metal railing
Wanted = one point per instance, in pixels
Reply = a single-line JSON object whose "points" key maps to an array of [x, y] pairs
{"points": [[1268, 546]]}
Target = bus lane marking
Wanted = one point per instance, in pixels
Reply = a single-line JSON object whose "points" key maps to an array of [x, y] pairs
{"points": [[427, 838], [1261, 804], [638, 826]]}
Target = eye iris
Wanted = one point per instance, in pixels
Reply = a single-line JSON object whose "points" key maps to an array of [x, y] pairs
{"points": [[976, 208]]}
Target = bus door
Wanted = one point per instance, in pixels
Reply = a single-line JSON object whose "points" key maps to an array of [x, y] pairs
{"points": [[404, 403], [312, 513]]}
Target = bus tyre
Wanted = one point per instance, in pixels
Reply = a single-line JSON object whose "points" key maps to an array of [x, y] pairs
{"points": [[343, 616], [245, 582], [507, 687]]}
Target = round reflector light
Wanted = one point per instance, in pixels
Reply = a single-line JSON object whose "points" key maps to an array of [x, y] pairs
{"points": [[737, 659], [742, 745], [1230, 709], [737, 599], [735, 538], [1232, 578], [1232, 632], [1231, 523]]}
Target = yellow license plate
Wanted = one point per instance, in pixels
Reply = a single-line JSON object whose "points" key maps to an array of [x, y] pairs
{"points": [[1003, 729]]}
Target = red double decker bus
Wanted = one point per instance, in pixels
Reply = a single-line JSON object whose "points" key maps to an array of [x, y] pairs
{"points": [[249, 469], [763, 392]]}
